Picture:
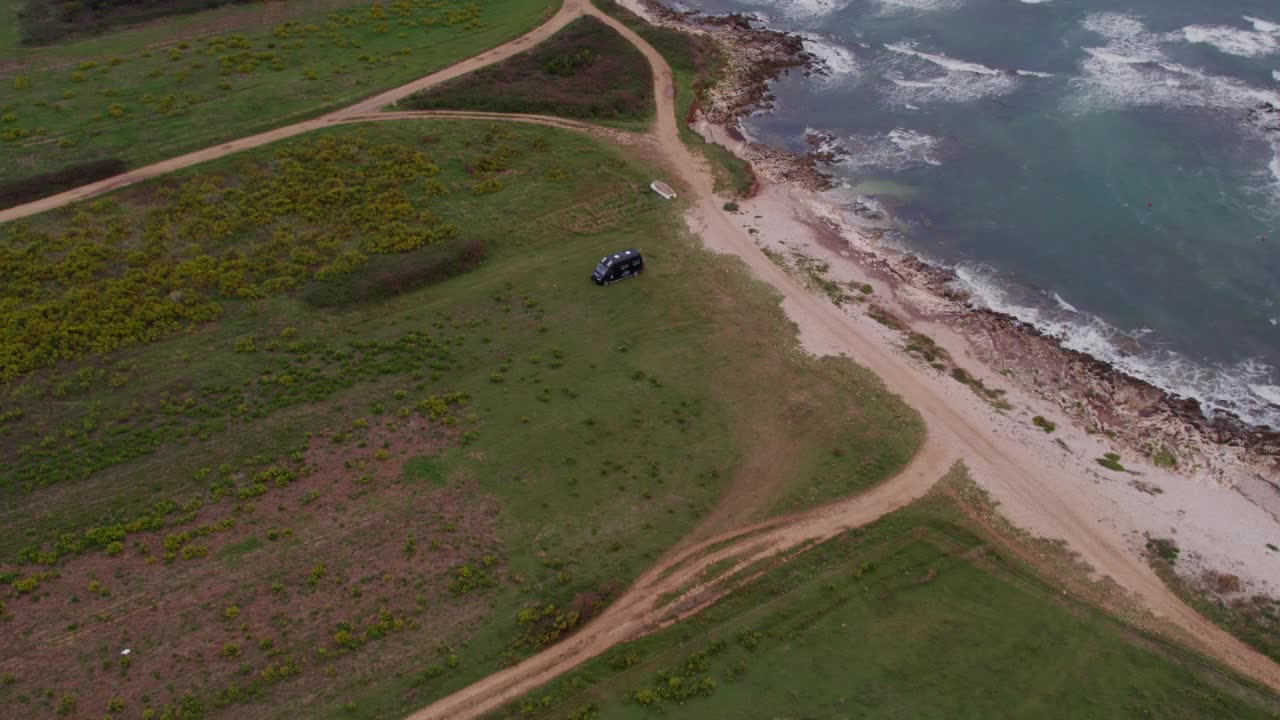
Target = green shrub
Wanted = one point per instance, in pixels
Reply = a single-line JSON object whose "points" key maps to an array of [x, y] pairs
{"points": [[385, 277], [344, 639], [1045, 425], [280, 671], [1163, 548], [1111, 461], [486, 186], [467, 579], [190, 552], [1164, 458]]}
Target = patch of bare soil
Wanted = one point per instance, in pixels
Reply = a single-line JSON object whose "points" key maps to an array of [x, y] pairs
{"points": [[295, 580]]}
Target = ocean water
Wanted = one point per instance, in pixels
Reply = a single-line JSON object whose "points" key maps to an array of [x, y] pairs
{"points": [[1091, 167]]}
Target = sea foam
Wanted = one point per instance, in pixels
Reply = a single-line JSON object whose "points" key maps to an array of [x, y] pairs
{"points": [[1263, 25], [801, 9], [1235, 41], [1245, 388], [836, 63], [894, 151], [919, 77], [942, 60], [1132, 70], [898, 6]]}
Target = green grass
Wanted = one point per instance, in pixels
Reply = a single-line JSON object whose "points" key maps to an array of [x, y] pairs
{"points": [[227, 18], [50, 21], [585, 71], [618, 418], [244, 547], [10, 35], [694, 62], [424, 469], [899, 619], [142, 103]]}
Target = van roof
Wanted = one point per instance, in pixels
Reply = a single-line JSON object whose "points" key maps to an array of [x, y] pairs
{"points": [[620, 255]]}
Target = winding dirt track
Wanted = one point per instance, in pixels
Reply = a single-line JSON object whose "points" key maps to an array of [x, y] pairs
{"points": [[957, 429], [361, 111]]}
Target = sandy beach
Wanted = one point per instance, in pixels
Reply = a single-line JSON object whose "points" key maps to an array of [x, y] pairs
{"points": [[1221, 505]]}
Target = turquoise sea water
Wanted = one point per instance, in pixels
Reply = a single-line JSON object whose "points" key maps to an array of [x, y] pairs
{"points": [[1090, 167]]}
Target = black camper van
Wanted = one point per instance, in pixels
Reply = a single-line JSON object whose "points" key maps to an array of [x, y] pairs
{"points": [[618, 266]]}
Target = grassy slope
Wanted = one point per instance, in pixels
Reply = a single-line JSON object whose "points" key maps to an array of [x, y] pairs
{"points": [[1254, 619], [613, 85], [45, 22], [165, 106], [621, 415], [170, 30], [898, 620], [9, 34], [694, 62]]}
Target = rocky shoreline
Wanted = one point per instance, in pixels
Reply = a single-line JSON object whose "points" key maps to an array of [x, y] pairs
{"points": [[754, 57], [1093, 393]]}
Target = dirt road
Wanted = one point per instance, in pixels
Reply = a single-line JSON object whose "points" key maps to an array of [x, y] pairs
{"points": [[959, 428], [570, 10], [959, 425], [635, 612]]}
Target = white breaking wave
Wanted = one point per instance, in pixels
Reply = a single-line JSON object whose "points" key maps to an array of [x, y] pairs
{"points": [[921, 77], [801, 9], [948, 89], [1036, 2], [897, 6], [942, 60], [1276, 75], [1274, 166], [1263, 25], [894, 151], [1246, 388], [1235, 41], [835, 62], [1132, 70]]}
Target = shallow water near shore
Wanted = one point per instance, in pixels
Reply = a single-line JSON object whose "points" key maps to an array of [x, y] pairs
{"points": [[1101, 170]]}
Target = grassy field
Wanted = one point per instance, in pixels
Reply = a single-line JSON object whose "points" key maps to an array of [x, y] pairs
{"points": [[172, 29], [10, 35], [49, 21], [911, 617], [337, 485], [585, 71], [142, 103], [694, 62]]}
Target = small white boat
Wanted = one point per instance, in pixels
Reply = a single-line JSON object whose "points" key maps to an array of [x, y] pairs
{"points": [[662, 189]]}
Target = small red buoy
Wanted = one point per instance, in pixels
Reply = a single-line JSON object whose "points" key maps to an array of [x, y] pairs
{"points": [[1148, 204]]}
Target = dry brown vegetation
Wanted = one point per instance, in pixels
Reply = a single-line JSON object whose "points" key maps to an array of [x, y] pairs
{"points": [[342, 575], [587, 70]]}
